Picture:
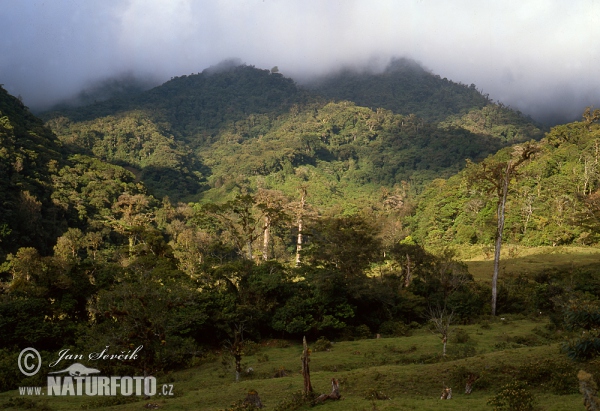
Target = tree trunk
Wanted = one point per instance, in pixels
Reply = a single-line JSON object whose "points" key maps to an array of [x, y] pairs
{"points": [[408, 273], [238, 366], [266, 238], [500, 212], [335, 392], [299, 240], [249, 245], [444, 341], [305, 370], [253, 399]]}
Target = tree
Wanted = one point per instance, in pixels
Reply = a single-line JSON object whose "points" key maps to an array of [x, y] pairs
{"points": [[271, 204], [497, 175], [307, 389], [239, 218], [153, 305], [441, 320]]}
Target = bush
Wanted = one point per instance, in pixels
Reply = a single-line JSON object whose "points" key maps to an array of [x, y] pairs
{"points": [[251, 348], [460, 336], [374, 394], [322, 344], [394, 329], [514, 396], [559, 375]]}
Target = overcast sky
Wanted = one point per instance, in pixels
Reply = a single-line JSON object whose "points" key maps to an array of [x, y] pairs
{"points": [[540, 56]]}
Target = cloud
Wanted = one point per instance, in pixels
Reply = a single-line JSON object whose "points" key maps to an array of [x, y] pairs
{"points": [[540, 56]]}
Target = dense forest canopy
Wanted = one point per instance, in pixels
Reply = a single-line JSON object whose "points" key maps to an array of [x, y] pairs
{"points": [[201, 136], [552, 200]]}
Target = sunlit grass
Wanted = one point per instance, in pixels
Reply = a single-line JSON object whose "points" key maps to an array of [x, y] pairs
{"points": [[409, 370], [517, 260]]}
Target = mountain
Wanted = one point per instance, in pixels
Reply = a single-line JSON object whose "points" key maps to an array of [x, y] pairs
{"points": [[235, 127], [405, 87]]}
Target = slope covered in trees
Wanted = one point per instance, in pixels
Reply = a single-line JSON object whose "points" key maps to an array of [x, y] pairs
{"points": [[553, 199], [202, 135], [405, 87], [29, 153]]}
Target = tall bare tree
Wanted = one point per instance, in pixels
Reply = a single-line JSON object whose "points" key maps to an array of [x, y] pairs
{"points": [[441, 320], [497, 175]]}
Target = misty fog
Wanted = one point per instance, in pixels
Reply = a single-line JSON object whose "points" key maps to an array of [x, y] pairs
{"points": [[540, 57]]}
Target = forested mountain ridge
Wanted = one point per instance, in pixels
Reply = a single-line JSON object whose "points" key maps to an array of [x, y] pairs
{"points": [[198, 105], [405, 87], [238, 124]]}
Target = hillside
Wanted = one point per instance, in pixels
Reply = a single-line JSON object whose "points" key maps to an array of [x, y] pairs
{"points": [[29, 153], [552, 201], [405, 87], [289, 216], [200, 136]]}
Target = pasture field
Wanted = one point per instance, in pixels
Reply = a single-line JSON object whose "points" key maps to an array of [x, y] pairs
{"points": [[406, 373], [517, 260]]}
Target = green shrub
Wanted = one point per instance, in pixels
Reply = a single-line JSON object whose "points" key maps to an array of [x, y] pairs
{"points": [[394, 329], [514, 396], [25, 404], [295, 401], [374, 394], [251, 348], [362, 331], [460, 336], [559, 375], [322, 344]]}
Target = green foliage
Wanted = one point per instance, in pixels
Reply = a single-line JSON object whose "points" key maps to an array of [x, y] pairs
{"points": [[514, 396], [498, 121], [137, 141], [233, 125], [29, 153], [296, 400], [26, 404], [583, 314], [550, 202], [322, 344]]}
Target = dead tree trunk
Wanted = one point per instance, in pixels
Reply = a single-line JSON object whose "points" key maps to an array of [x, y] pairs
{"points": [[446, 394], [305, 370], [266, 238], [300, 217], [500, 212], [470, 381], [253, 399], [589, 389], [335, 392]]}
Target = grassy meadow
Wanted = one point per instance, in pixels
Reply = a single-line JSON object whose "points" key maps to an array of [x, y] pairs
{"points": [[406, 373], [528, 261]]}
